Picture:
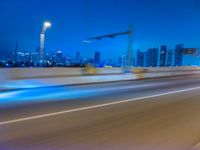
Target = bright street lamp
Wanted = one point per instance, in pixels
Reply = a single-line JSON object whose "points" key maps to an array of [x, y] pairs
{"points": [[42, 38], [47, 24]]}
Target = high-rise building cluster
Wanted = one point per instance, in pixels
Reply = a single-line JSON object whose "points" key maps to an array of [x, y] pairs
{"points": [[152, 57], [52, 59], [163, 57]]}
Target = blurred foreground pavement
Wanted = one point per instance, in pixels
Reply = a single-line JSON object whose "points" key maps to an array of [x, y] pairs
{"points": [[152, 114]]}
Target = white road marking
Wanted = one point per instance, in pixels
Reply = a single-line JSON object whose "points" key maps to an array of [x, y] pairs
{"points": [[94, 106]]}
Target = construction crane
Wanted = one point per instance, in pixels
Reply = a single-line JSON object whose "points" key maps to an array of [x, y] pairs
{"points": [[130, 42]]}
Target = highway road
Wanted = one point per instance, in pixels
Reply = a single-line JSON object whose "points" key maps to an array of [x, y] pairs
{"points": [[151, 114]]}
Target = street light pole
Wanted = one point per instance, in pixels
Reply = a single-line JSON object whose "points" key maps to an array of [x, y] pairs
{"points": [[130, 48], [42, 39]]}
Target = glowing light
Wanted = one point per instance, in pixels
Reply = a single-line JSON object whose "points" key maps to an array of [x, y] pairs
{"points": [[47, 24], [86, 41]]}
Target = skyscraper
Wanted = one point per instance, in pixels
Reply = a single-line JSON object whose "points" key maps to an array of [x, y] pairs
{"points": [[163, 55], [68, 60], [97, 58], [59, 57], [35, 57], [178, 61], [15, 53], [151, 56], [147, 58], [133, 61], [78, 58], [23, 57], [122, 61], [169, 58], [140, 58], [154, 57]]}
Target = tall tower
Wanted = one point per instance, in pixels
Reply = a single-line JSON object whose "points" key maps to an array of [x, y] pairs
{"points": [[178, 60], [152, 57], [16, 49], [163, 55], [140, 59], [169, 58], [97, 58]]}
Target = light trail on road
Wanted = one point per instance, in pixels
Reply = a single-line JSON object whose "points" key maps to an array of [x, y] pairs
{"points": [[138, 115]]}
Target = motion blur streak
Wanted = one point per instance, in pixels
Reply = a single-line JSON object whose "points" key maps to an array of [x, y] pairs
{"points": [[153, 114], [95, 106], [60, 93], [21, 84]]}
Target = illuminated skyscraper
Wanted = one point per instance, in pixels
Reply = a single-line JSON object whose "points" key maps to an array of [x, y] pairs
{"points": [[97, 58], [78, 58], [169, 58], [178, 61], [23, 57], [35, 57], [59, 57], [163, 55], [122, 61], [151, 56], [140, 58]]}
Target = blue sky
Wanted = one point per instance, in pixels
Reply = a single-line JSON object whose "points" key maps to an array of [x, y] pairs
{"points": [[155, 22]]}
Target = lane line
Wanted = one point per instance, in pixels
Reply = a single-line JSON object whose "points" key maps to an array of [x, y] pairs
{"points": [[94, 106]]}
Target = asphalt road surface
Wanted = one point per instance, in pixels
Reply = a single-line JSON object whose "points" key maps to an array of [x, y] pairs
{"points": [[153, 114]]}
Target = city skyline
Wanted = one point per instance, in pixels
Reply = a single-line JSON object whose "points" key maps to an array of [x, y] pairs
{"points": [[67, 32], [151, 57]]}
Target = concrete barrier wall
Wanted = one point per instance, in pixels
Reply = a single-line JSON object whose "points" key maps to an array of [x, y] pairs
{"points": [[17, 78], [24, 73], [28, 73], [165, 69]]}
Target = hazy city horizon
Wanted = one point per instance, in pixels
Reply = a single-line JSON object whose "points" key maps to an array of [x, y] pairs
{"points": [[151, 25]]}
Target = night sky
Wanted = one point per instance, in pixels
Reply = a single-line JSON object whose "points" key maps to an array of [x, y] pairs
{"points": [[155, 22]]}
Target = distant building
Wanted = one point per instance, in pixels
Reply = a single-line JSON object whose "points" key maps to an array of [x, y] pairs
{"points": [[109, 62], [169, 58], [140, 59], [15, 53], [133, 61], [163, 55], [91, 61], [178, 61], [122, 61], [154, 57], [151, 56], [53, 58], [48, 57], [59, 57], [147, 59], [35, 57], [23, 57], [78, 58], [84, 60], [37, 50], [68, 60], [97, 58]]}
